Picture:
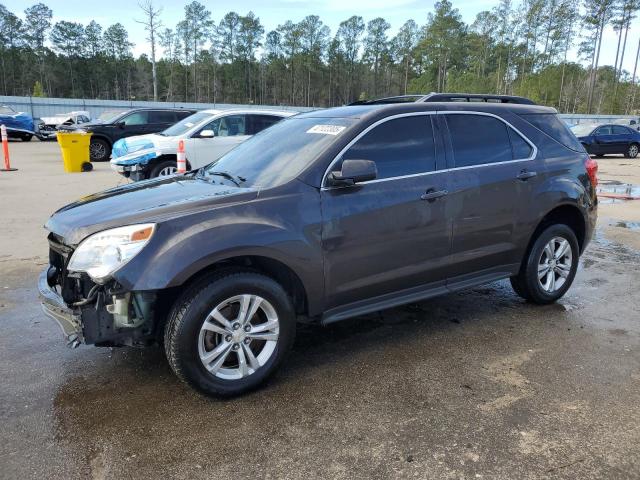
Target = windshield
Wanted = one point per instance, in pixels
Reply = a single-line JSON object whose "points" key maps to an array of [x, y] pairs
{"points": [[110, 115], [280, 152], [4, 110], [186, 124], [582, 130]]}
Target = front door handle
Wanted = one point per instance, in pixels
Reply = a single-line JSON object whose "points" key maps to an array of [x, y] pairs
{"points": [[525, 175], [432, 195]]}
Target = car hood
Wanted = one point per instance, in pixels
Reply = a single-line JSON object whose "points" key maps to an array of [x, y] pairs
{"points": [[141, 202], [17, 121]]}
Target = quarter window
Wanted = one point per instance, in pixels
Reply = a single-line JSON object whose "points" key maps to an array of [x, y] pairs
{"points": [[402, 146], [478, 140], [521, 149]]}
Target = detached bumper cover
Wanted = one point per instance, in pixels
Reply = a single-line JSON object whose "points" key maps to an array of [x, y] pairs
{"points": [[53, 306]]}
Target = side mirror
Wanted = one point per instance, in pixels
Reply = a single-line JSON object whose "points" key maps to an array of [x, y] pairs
{"points": [[354, 171], [120, 124], [206, 134]]}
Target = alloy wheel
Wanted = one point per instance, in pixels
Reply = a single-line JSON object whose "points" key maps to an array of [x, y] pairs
{"points": [[554, 265], [166, 171], [238, 337]]}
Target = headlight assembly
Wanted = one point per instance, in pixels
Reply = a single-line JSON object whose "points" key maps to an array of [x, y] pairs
{"points": [[102, 253]]}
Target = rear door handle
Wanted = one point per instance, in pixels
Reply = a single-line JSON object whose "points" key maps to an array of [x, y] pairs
{"points": [[431, 194], [525, 175]]}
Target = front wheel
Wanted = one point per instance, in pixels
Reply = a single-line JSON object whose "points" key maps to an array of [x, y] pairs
{"points": [[550, 266], [229, 332], [27, 137], [164, 169], [99, 150], [632, 151]]}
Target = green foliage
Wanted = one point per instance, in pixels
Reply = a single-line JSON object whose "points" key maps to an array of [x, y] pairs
{"points": [[38, 91], [521, 49]]}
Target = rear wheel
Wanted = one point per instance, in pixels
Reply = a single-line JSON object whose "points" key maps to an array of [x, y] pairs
{"points": [[632, 151], [99, 150], [229, 332], [164, 169], [550, 266]]}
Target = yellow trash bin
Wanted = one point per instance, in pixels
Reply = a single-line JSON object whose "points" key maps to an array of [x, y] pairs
{"points": [[75, 150]]}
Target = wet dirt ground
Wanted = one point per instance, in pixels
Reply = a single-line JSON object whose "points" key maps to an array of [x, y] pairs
{"points": [[477, 384]]}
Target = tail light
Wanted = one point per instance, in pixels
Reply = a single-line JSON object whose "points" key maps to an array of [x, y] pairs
{"points": [[592, 170]]}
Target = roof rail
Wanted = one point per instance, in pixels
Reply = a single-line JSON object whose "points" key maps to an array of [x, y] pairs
{"points": [[447, 97]]}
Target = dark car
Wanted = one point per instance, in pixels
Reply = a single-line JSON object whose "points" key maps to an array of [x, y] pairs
{"points": [[121, 124], [447, 97], [601, 140], [322, 217]]}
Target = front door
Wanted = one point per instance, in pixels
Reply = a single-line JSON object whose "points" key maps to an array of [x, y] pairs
{"points": [[491, 177], [229, 131], [387, 235]]}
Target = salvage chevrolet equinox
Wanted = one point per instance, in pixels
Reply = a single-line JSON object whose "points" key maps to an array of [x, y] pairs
{"points": [[324, 216]]}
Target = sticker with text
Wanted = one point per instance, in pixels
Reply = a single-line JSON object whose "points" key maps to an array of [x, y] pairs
{"points": [[326, 129]]}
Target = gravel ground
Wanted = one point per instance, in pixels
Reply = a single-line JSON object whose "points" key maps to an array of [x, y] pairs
{"points": [[477, 384]]}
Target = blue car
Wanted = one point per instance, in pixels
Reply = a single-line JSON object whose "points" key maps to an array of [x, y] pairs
{"points": [[19, 124], [600, 140]]}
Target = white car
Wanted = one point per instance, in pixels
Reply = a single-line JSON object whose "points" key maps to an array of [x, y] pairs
{"points": [[48, 126], [207, 135]]}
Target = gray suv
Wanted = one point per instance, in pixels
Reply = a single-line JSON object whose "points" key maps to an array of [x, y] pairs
{"points": [[325, 216]]}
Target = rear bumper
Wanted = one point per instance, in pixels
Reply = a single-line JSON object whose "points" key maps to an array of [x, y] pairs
{"points": [[53, 306]]}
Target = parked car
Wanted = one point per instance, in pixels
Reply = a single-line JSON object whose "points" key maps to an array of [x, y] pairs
{"points": [[633, 123], [601, 140], [325, 216], [207, 135], [121, 124], [446, 97], [48, 126], [19, 124]]}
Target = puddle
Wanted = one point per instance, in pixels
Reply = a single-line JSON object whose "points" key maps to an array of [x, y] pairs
{"points": [[629, 225], [615, 188]]}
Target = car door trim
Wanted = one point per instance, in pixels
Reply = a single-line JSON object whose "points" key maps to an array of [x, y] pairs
{"points": [[532, 156]]}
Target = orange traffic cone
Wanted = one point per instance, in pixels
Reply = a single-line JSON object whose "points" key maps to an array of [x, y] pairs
{"points": [[5, 151], [182, 158]]}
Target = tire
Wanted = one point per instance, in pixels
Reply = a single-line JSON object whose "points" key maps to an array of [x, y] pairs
{"points": [[99, 150], [632, 151], [546, 290], [26, 138], [599, 155], [187, 344], [87, 167], [162, 168]]}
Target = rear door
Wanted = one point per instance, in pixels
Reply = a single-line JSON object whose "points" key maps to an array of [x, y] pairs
{"points": [[384, 235], [160, 120], [491, 177], [229, 131], [622, 137]]}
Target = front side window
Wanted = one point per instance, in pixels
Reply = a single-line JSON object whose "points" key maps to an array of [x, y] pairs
{"points": [[402, 146], [137, 118], [478, 140], [229, 126]]}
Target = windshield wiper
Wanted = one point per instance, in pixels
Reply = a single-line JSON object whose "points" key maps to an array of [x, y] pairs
{"points": [[229, 176]]}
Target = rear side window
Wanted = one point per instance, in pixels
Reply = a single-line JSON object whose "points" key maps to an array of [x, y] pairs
{"points": [[478, 140], [618, 130], [550, 124], [257, 123], [402, 146], [162, 117]]}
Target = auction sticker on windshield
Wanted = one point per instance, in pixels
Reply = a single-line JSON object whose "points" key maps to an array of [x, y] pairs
{"points": [[326, 129]]}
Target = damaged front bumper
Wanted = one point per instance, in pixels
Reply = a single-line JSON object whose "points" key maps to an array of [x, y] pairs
{"points": [[135, 172], [69, 320], [108, 318]]}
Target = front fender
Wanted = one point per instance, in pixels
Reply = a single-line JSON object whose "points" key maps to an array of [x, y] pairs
{"points": [[184, 246]]}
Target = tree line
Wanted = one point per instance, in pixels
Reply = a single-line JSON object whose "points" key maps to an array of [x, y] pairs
{"points": [[521, 49]]}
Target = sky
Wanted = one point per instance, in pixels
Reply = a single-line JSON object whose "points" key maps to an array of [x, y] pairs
{"points": [[274, 12]]}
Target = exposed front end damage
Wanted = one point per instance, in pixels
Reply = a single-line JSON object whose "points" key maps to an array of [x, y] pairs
{"points": [[91, 313]]}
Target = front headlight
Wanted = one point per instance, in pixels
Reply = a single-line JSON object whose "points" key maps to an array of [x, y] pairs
{"points": [[102, 253]]}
